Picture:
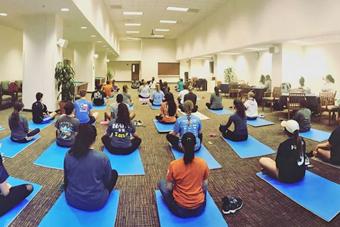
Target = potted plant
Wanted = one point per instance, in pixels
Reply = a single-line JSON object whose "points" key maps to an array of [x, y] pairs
{"points": [[302, 82], [108, 75], [263, 79], [330, 79], [229, 75], [64, 75]]}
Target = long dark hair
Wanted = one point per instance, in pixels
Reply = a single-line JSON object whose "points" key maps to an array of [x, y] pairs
{"points": [[172, 107], [15, 118], [240, 108], [85, 138], [217, 91], [188, 143], [123, 115], [298, 142]]}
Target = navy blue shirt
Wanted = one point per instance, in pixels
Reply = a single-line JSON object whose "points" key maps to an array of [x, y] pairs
{"points": [[240, 124], [3, 172]]}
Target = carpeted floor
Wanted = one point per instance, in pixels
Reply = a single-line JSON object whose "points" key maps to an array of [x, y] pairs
{"points": [[263, 205]]}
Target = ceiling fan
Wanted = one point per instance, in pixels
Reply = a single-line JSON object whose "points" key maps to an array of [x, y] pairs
{"points": [[153, 36]]}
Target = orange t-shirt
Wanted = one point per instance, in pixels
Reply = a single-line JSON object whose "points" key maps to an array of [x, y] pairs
{"points": [[188, 181], [107, 88], [165, 112]]}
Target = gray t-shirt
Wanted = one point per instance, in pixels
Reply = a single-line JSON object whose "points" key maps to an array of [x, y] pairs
{"points": [[126, 98], [86, 180], [67, 128], [215, 101], [18, 132], [303, 117]]}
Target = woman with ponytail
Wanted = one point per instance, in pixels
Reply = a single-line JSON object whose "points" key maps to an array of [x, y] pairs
{"points": [[239, 119], [168, 110], [289, 165], [88, 176], [184, 190], [18, 124]]}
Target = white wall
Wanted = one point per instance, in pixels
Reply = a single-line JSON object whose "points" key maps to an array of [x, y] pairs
{"points": [[10, 54], [121, 70], [101, 64], [130, 50], [240, 23]]}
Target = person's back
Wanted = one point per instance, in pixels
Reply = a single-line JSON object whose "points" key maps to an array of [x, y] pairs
{"points": [[120, 134], [188, 181], [107, 88], [291, 165], [303, 117], [157, 98], [38, 110], [182, 94], [98, 98], [82, 110], [67, 127], [183, 125], [180, 85], [192, 97], [144, 91], [216, 101], [126, 98], [240, 124], [18, 131], [251, 108], [86, 178]]}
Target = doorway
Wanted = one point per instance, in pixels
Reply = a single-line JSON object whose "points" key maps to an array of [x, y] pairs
{"points": [[134, 72]]}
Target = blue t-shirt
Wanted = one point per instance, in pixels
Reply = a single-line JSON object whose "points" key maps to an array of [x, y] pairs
{"points": [[3, 172], [120, 134], [157, 98], [82, 109], [194, 126]]}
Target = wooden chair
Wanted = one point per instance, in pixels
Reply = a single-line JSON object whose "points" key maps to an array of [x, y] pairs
{"points": [[327, 104], [224, 88], [234, 90], [293, 101], [272, 98]]}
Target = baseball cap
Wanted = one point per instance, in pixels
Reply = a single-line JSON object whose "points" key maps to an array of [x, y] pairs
{"points": [[290, 125]]}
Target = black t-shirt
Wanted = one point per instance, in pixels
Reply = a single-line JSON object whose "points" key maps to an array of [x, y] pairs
{"points": [[3, 172], [291, 165], [334, 140], [192, 97], [98, 98], [38, 110]]}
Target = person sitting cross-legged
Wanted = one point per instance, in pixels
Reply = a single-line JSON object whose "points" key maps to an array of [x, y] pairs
{"points": [[157, 96], [168, 110], [40, 114], [83, 109], [215, 100]]}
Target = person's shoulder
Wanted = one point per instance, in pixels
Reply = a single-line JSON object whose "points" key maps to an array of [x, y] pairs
{"points": [[200, 161], [176, 163], [98, 155]]}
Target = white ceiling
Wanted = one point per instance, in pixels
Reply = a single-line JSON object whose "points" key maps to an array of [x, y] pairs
{"points": [[155, 10]]}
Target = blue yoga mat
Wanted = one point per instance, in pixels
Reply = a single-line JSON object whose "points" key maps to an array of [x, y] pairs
{"points": [[9, 217], [316, 135], [210, 217], [202, 153], [32, 125], [103, 107], [225, 111], [52, 157], [130, 164], [155, 107], [1, 128], [162, 128], [10, 149], [61, 214], [249, 148], [316, 194], [259, 122]]}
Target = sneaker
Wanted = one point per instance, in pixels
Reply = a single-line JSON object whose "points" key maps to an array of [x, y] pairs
{"points": [[307, 161], [231, 205]]}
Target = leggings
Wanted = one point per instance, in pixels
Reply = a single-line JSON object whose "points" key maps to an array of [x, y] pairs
{"points": [[119, 150], [28, 136], [15, 196], [175, 143], [251, 118], [209, 105], [234, 137], [159, 118]]}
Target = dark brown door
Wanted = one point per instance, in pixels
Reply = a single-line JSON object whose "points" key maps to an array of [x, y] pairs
{"points": [[134, 71]]}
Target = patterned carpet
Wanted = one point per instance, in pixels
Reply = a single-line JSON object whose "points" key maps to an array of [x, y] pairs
{"points": [[263, 205]]}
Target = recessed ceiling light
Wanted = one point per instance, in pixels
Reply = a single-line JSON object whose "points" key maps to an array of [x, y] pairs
{"points": [[65, 9], [179, 9], [93, 36], [96, 56], [162, 29], [83, 27], [107, 60], [3, 14], [132, 24], [132, 13], [168, 21], [158, 36], [132, 32]]}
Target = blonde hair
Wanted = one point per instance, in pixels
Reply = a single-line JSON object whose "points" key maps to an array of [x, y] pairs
{"points": [[251, 94], [188, 106]]}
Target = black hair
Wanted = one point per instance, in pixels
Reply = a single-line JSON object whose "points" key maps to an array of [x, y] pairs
{"points": [[217, 91], [125, 88], [84, 139], [188, 142], [98, 86], [107, 82], [38, 96], [82, 93], [240, 108], [69, 107], [15, 118], [303, 103], [172, 107], [123, 115], [119, 98]]}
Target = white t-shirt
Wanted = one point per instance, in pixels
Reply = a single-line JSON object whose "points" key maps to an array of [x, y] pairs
{"points": [[182, 94], [252, 109], [144, 91]]}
